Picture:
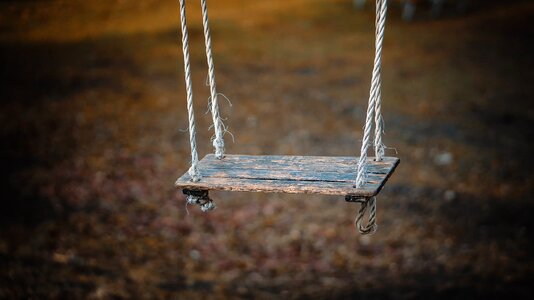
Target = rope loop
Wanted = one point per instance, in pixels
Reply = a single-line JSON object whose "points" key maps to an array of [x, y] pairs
{"points": [[371, 226]]}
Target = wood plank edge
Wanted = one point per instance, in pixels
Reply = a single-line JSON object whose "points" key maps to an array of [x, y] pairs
{"points": [[387, 177]]}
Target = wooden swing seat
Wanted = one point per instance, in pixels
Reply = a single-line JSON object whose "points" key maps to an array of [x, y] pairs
{"points": [[289, 174]]}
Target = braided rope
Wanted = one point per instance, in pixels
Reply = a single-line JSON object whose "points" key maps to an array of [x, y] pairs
{"points": [[218, 141], [373, 114], [193, 170], [371, 226], [379, 128], [379, 122], [374, 105]]}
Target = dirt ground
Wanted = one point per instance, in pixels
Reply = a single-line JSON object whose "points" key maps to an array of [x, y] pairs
{"points": [[92, 118]]}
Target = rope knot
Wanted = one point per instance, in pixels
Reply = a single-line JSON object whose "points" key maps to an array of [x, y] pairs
{"points": [[207, 206], [200, 198]]}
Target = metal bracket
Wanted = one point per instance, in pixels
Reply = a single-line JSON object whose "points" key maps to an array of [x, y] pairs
{"points": [[356, 199]]}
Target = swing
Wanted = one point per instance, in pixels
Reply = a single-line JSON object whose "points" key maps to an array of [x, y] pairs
{"points": [[359, 179]]}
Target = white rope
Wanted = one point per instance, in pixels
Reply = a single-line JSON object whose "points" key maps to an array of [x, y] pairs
{"points": [[373, 114], [371, 226], [379, 127], [379, 122], [374, 106], [193, 170], [218, 141]]}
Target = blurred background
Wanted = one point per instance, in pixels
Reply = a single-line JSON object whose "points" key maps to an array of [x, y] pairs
{"points": [[92, 128]]}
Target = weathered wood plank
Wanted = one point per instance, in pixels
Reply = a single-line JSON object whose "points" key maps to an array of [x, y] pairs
{"points": [[289, 174], [292, 162], [299, 175]]}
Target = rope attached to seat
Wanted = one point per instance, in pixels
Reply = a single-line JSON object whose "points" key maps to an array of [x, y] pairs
{"points": [[218, 141], [380, 25], [374, 115], [199, 197], [193, 170], [375, 101]]}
